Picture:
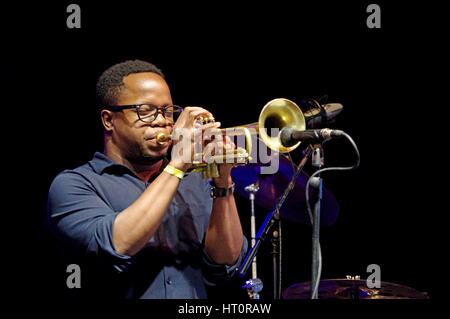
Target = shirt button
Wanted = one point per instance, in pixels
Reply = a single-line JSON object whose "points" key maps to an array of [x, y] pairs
{"points": [[169, 282]]}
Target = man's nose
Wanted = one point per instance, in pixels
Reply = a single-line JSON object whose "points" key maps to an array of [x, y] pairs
{"points": [[160, 119]]}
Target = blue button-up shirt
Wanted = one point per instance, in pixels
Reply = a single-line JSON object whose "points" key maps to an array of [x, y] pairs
{"points": [[82, 206]]}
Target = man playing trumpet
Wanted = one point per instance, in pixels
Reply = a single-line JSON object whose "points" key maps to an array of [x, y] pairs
{"points": [[137, 224]]}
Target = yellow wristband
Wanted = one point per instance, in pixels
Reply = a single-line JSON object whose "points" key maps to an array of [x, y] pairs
{"points": [[174, 171]]}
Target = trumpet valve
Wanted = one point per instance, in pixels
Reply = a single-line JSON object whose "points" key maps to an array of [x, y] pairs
{"points": [[205, 120]]}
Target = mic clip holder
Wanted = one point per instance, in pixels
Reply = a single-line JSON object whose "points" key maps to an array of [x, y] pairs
{"points": [[322, 114]]}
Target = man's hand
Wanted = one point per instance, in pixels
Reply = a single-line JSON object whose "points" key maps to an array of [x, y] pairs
{"points": [[188, 136], [220, 146]]}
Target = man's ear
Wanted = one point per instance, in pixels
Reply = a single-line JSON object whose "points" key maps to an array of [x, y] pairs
{"points": [[107, 120]]}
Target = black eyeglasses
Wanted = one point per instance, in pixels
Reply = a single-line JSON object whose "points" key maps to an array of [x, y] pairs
{"points": [[148, 113]]}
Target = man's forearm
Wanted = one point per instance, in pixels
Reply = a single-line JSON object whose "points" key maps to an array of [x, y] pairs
{"points": [[135, 225], [224, 237]]}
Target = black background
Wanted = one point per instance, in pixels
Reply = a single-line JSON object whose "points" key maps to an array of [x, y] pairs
{"points": [[233, 58]]}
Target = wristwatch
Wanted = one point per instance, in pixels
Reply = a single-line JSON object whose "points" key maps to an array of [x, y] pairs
{"points": [[221, 192]]}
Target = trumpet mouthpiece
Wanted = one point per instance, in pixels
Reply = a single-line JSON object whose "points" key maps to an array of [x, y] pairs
{"points": [[162, 138]]}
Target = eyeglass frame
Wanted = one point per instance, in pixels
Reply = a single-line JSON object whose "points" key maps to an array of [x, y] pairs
{"points": [[159, 110]]}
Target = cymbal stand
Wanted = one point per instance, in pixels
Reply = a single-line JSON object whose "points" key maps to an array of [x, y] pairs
{"points": [[254, 285]]}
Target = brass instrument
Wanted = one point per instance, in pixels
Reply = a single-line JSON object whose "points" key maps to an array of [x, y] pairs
{"points": [[276, 114]]}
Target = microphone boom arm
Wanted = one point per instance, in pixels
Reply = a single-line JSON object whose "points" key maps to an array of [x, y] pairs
{"points": [[272, 217]]}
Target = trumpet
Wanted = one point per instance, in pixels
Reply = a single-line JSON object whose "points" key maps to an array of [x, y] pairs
{"points": [[276, 114]]}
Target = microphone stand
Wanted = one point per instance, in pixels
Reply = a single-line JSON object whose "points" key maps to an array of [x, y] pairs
{"points": [[316, 183], [272, 217], [276, 241]]}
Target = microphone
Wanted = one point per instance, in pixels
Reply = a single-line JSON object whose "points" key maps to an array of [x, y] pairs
{"points": [[323, 115], [290, 136]]}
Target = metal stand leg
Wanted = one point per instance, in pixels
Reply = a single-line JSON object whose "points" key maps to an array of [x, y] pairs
{"points": [[254, 285]]}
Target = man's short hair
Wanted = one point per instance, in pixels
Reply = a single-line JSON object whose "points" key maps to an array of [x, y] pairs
{"points": [[110, 82]]}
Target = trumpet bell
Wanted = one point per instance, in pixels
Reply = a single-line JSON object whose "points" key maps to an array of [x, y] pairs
{"points": [[278, 114]]}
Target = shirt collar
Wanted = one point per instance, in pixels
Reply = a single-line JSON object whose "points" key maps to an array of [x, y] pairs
{"points": [[100, 162]]}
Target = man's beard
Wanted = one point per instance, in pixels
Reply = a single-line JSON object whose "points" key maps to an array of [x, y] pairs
{"points": [[146, 159], [142, 157]]}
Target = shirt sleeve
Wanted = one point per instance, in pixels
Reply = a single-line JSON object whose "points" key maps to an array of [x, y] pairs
{"points": [[216, 274], [83, 219]]}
